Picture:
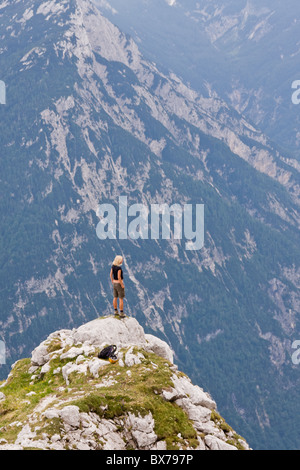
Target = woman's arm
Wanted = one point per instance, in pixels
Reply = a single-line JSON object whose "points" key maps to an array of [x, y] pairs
{"points": [[111, 276], [120, 278]]}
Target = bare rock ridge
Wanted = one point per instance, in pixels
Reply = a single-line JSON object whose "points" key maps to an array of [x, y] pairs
{"points": [[65, 398]]}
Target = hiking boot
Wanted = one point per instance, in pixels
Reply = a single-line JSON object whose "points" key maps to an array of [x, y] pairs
{"points": [[122, 315]]}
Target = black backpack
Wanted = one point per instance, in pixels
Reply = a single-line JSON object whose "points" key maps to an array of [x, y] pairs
{"points": [[107, 352]]}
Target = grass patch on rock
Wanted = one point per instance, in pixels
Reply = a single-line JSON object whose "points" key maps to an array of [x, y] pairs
{"points": [[139, 392]]}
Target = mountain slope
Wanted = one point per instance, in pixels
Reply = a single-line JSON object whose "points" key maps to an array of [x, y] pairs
{"points": [[101, 122], [65, 398], [247, 50]]}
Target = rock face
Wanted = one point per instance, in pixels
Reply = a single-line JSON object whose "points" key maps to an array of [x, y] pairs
{"points": [[65, 397]]}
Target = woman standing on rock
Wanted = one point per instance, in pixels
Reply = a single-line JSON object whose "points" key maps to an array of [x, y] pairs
{"points": [[116, 276]]}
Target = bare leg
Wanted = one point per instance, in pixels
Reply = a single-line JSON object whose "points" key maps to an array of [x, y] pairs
{"points": [[121, 305], [115, 303]]}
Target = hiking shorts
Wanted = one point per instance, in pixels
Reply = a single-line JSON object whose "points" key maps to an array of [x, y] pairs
{"points": [[119, 291]]}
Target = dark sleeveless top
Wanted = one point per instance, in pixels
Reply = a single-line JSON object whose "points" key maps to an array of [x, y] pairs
{"points": [[116, 269]]}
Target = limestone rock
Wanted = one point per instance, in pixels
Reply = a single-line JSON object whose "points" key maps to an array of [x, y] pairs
{"points": [[91, 406], [142, 430], [111, 331], [6, 447], [40, 355], [213, 443], [196, 395], [70, 416], [159, 347]]}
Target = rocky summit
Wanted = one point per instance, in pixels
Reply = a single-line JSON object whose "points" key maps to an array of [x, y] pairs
{"points": [[65, 398]]}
